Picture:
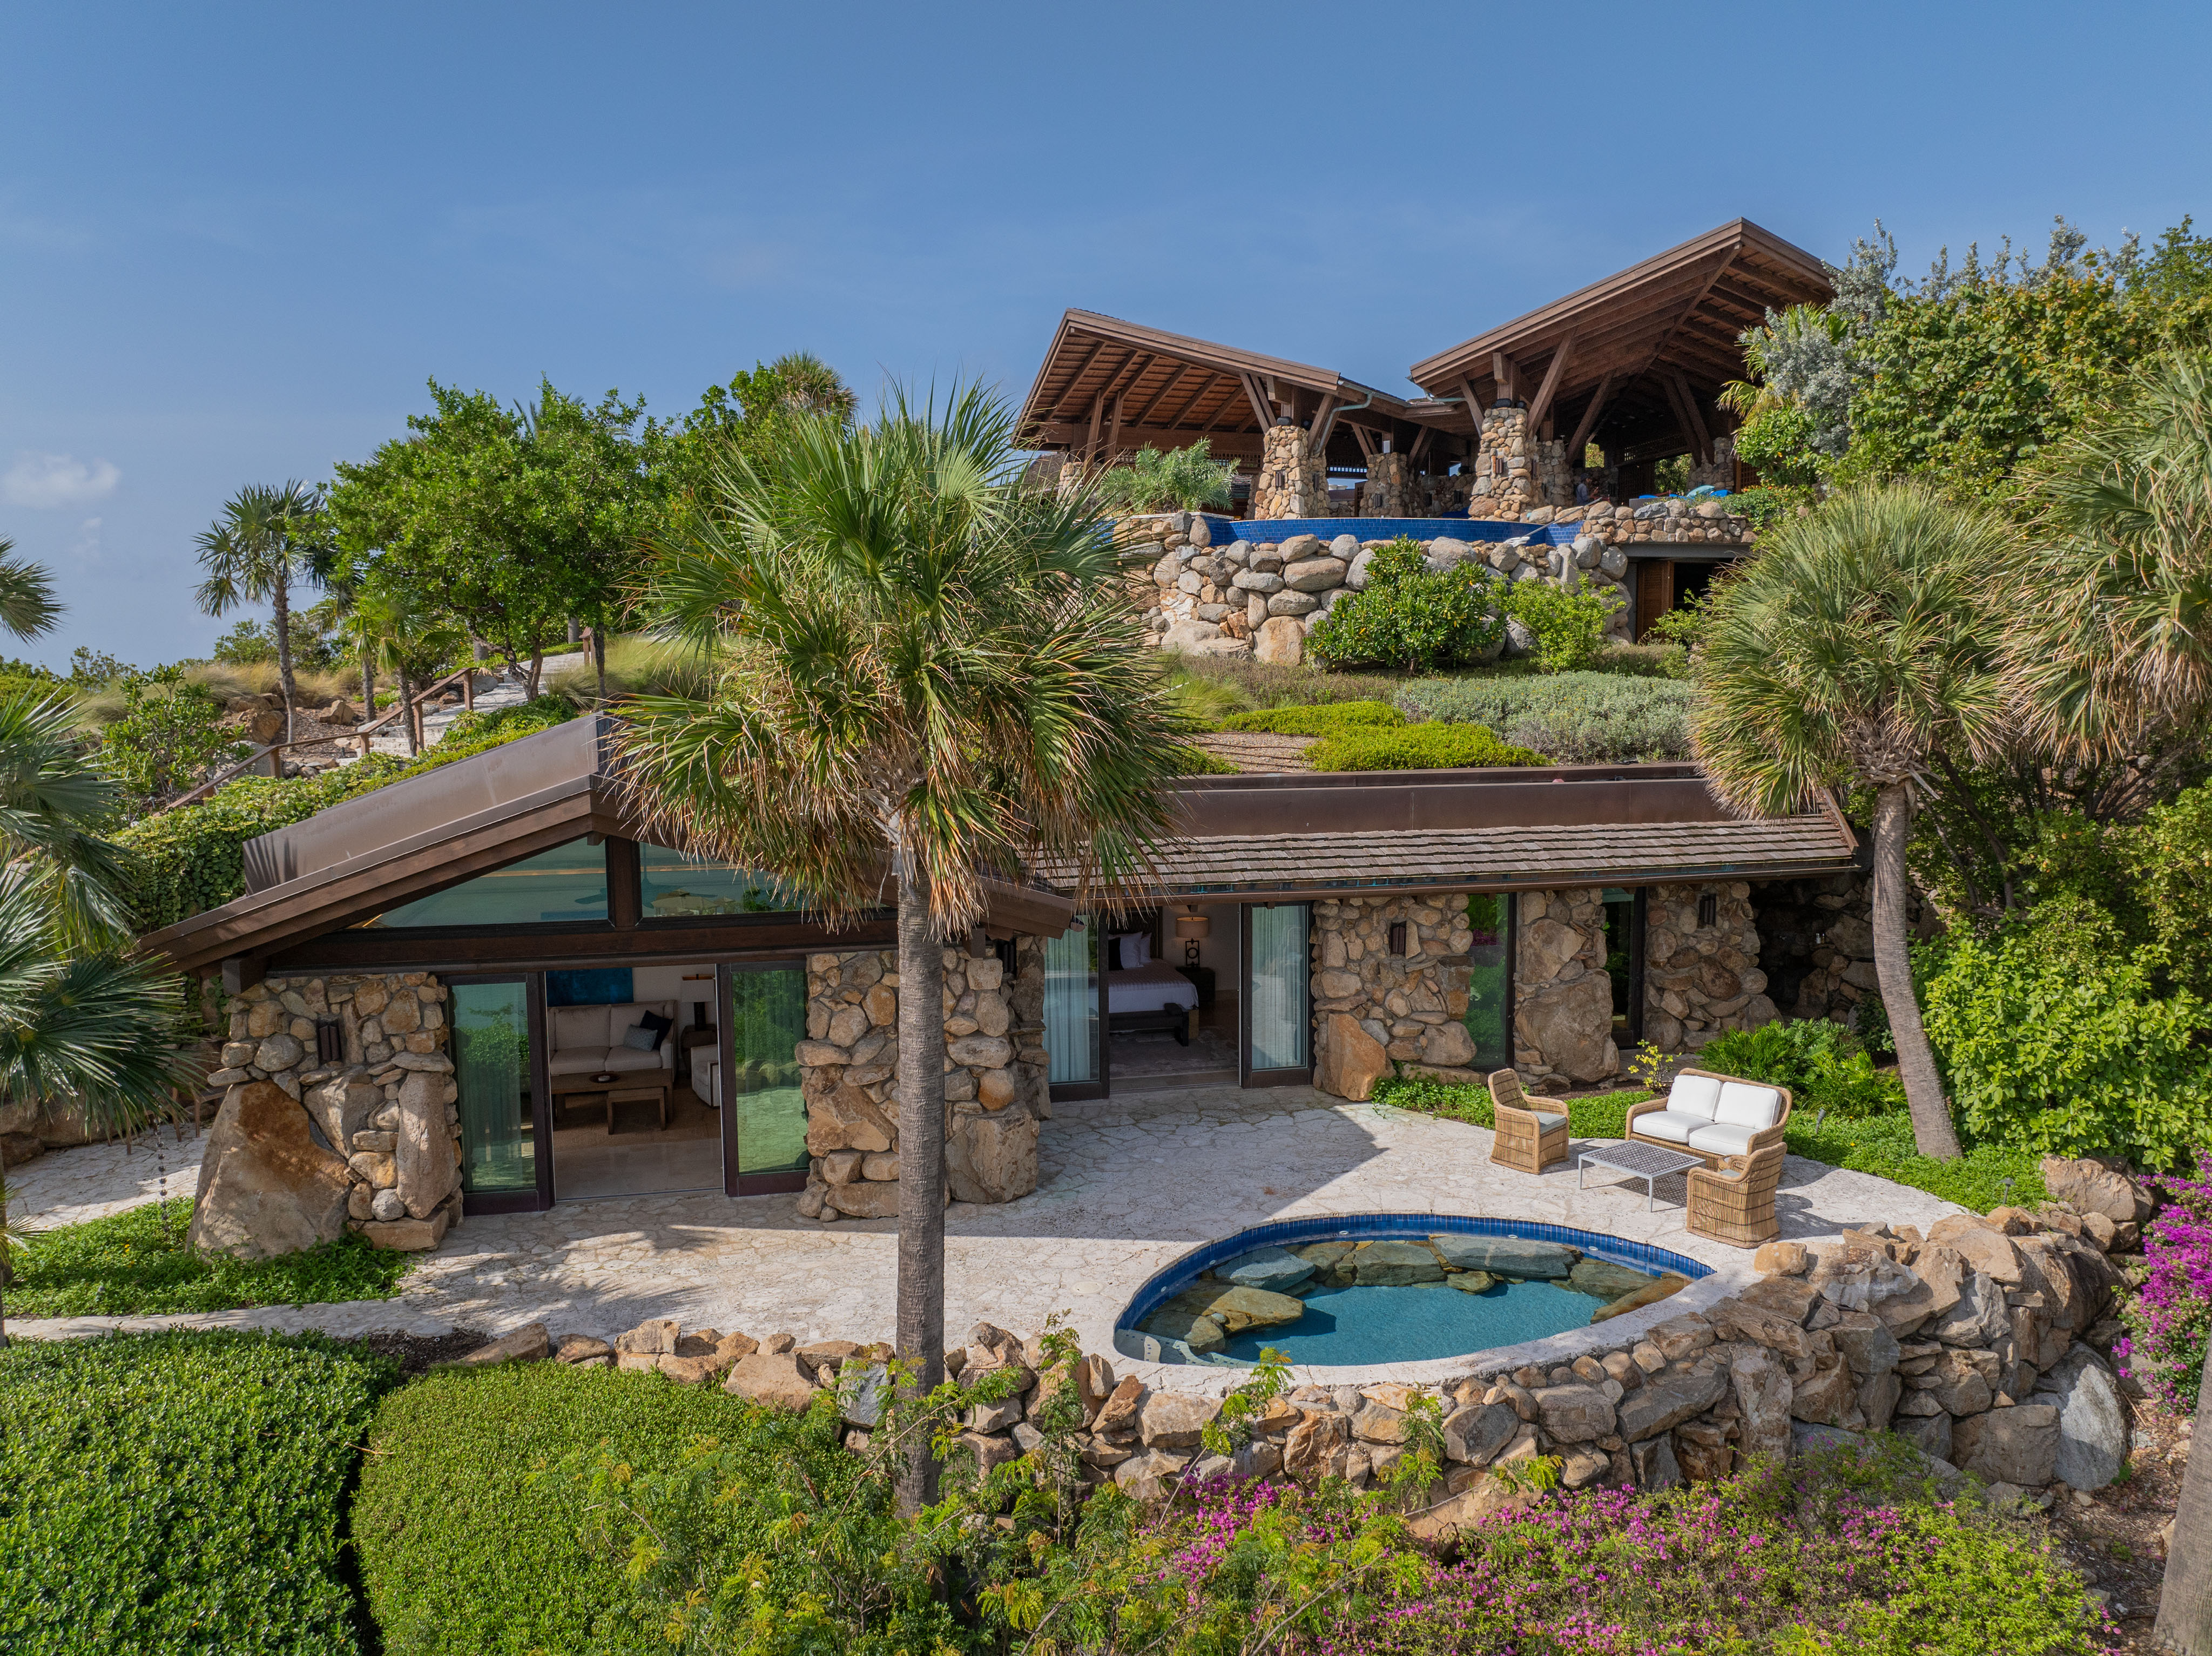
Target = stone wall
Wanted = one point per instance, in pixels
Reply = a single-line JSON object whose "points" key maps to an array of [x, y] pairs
{"points": [[1389, 491], [1674, 521], [995, 1089], [1562, 996], [1816, 941], [1290, 483], [1700, 981], [388, 1107], [1373, 1009]]}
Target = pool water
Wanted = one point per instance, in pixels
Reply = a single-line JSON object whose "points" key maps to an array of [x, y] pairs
{"points": [[1421, 1321]]}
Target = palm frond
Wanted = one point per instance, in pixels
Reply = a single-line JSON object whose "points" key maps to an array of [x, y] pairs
{"points": [[28, 607]]}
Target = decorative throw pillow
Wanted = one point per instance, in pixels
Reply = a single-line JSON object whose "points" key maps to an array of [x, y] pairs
{"points": [[1136, 950], [641, 1038], [656, 1022]]}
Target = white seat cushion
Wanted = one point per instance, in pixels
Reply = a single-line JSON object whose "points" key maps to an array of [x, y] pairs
{"points": [[1742, 1104], [1696, 1095], [1670, 1125], [621, 1060], [578, 1028], [1721, 1139], [577, 1061]]}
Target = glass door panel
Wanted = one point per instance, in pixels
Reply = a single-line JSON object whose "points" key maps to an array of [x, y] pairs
{"points": [[768, 1020], [493, 1070], [1278, 999], [1071, 1007], [1490, 979]]}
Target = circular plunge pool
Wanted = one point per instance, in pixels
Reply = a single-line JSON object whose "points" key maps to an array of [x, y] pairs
{"points": [[1381, 1287]]}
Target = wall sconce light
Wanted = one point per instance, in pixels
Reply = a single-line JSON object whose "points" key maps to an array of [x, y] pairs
{"points": [[1709, 910], [1190, 928], [1397, 937]]}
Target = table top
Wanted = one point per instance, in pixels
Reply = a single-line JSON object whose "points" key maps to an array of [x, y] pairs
{"points": [[1645, 1161]]}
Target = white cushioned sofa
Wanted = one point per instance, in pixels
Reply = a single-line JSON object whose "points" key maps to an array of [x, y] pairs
{"points": [[587, 1041], [1712, 1117]]}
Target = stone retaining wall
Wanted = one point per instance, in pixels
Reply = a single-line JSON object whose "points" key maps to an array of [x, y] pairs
{"points": [[1562, 996], [995, 1072], [1373, 1009], [1700, 981]]}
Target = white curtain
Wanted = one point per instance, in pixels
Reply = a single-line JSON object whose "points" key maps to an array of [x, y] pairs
{"points": [[1070, 1005], [1281, 1019]]}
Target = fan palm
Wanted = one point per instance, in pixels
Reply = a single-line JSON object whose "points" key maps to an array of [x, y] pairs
{"points": [[28, 605], [410, 643], [2118, 646], [1857, 644], [927, 676], [266, 539]]}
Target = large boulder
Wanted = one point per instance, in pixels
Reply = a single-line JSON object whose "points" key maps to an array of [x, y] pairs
{"points": [[2089, 1186], [2019, 1445], [2093, 1431], [992, 1154], [1351, 1060], [429, 1171], [1572, 1027], [1394, 1264], [265, 1187], [1275, 1269], [1185, 636], [1505, 1256], [342, 1106], [1280, 639]]}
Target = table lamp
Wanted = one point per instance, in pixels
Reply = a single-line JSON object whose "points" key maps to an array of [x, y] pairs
{"points": [[1190, 928]]}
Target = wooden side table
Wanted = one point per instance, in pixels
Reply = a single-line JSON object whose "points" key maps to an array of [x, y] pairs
{"points": [[1203, 977]]}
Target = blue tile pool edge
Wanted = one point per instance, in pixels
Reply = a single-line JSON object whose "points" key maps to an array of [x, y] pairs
{"points": [[1283, 1233]]}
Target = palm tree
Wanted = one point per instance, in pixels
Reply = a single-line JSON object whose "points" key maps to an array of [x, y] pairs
{"points": [[410, 643], [927, 676], [1855, 647], [2117, 648], [27, 606], [266, 538]]}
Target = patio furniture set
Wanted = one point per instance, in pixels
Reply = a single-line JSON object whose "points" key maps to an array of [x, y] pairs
{"points": [[1726, 1133]]}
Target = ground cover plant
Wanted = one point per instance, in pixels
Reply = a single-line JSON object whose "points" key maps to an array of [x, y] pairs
{"points": [[180, 1491], [135, 1263], [1415, 747], [2169, 1316], [1323, 720], [1577, 717], [1594, 1115]]}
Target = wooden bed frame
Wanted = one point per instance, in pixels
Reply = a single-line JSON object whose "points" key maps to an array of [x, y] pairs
{"points": [[1174, 1020]]}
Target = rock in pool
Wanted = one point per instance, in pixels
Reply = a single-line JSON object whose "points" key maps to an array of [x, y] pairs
{"points": [[1601, 1281], [1390, 1264], [1505, 1256], [1471, 1282], [1275, 1269]]}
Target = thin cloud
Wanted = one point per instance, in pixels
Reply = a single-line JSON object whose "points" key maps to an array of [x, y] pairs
{"points": [[87, 549], [43, 481]]}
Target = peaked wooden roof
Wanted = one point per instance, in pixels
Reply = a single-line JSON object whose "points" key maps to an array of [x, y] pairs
{"points": [[1637, 359]]}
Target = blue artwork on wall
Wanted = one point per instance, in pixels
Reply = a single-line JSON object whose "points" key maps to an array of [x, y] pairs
{"points": [[608, 987]]}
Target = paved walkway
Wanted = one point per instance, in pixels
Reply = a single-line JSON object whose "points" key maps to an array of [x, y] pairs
{"points": [[1128, 1186], [66, 1187]]}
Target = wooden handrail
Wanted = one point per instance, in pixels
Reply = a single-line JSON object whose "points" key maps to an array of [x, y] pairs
{"points": [[412, 707]]}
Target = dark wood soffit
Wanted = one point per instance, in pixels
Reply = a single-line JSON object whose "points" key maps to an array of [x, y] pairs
{"points": [[399, 950], [1548, 880]]}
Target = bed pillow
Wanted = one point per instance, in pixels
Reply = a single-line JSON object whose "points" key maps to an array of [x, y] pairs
{"points": [[1137, 949], [641, 1038], [1698, 1095]]}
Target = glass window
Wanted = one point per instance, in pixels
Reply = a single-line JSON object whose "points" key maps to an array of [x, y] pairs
{"points": [[675, 886], [1071, 1004], [1281, 980], [566, 885], [491, 1068], [1619, 961], [1490, 979], [768, 1020]]}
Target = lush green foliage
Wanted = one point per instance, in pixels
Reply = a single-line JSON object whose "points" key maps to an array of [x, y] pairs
{"points": [[476, 1499], [1778, 444], [1986, 1176], [1322, 720], [184, 862], [2054, 1036], [180, 1491], [1823, 1064], [1415, 748], [1182, 479], [135, 1263], [1576, 718], [168, 738], [1569, 625], [1411, 616], [1596, 1115]]}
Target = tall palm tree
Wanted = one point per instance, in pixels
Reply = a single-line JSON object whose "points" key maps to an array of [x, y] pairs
{"points": [[2117, 646], [1854, 646], [927, 676], [266, 539]]}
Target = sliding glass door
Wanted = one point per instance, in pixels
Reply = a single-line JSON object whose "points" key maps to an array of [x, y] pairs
{"points": [[507, 1164], [1276, 1008], [1073, 1026], [1490, 979], [763, 1111]]}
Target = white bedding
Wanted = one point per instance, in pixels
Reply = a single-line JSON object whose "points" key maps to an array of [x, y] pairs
{"points": [[1152, 987]]}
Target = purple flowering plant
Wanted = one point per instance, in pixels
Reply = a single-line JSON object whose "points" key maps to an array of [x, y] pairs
{"points": [[2169, 1316]]}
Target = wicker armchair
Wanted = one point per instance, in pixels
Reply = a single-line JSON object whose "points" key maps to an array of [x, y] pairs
{"points": [[1735, 1204], [1757, 1141], [1527, 1139]]}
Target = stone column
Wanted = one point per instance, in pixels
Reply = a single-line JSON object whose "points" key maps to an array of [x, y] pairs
{"points": [[1504, 469], [1390, 488], [1292, 482]]}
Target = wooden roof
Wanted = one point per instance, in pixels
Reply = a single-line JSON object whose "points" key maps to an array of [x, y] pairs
{"points": [[1113, 387], [1638, 358]]}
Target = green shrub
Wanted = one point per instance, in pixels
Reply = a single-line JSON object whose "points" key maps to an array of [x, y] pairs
{"points": [[1197, 761], [1411, 616], [135, 1263], [1415, 748], [472, 1520], [180, 1492], [169, 737], [184, 862], [1318, 721], [2053, 1037], [1569, 626], [1822, 1063], [1582, 717], [1987, 1176]]}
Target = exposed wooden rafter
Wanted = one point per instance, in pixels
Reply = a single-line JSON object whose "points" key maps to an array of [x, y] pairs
{"points": [[1588, 424]]}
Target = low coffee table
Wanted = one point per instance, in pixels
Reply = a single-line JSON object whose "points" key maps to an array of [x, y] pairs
{"points": [[1645, 1162], [654, 1094]]}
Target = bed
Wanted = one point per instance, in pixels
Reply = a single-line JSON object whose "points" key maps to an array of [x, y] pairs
{"points": [[1154, 996]]}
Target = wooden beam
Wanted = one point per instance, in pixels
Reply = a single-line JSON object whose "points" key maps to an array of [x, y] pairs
{"points": [[1076, 378], [1262, 410], [1697, 421], [1542, 406], [1206, 384], [1508, 372], [1420, 443], [1675, 400], [1324, 418], [1474, 409], [1174, 379], [1588, 424], [1090, 444], [1114, 443], [1367, 442]]}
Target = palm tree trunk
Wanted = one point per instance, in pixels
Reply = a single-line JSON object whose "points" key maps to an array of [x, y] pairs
{"points": [[921, 1174], [1932, 1130], [280, 599], [8, 1266], [407, 712], [2184, 1603], [368, 685], [599, 659]]}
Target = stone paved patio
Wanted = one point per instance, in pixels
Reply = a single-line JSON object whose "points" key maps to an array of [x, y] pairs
{"points": [[1128, 1186]]}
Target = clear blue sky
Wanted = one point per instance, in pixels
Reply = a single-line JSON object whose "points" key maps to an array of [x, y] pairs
{"points": [[235, 240]]}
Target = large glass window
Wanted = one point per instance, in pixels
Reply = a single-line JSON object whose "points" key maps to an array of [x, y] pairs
{"points": [[768, 1020], [491, 1067], [566, 886], [1279, 982], [675, 886], [1071, 1005], [1620, 965], [1490, 979]]}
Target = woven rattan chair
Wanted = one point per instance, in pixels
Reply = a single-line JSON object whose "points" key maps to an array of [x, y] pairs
{"points": [[1526, 1138], [1735, 1203]]}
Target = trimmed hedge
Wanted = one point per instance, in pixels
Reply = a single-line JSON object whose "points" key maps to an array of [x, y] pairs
{"points": [[180, 1491], [1415, 748], [1322, 720], [1576, 718], [183, 862], [473, 1522]]}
